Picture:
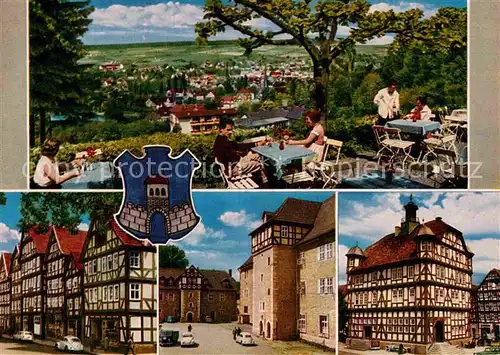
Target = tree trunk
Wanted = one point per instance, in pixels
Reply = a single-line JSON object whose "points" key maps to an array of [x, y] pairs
{"points": [[32, 130], [42, 125], [321, 77]]}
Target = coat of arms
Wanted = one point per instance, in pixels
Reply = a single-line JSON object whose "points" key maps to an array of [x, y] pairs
{"points": [[157, 203]]}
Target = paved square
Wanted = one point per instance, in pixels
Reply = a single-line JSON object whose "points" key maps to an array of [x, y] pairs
{"points": [[218, 339]]}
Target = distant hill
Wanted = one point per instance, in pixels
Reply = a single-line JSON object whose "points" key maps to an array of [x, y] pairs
{"points": [[161, 53]]}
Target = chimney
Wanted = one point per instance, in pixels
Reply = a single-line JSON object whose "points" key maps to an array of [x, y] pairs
{"points": [[230, 271], [397, 230], [439, 218]]}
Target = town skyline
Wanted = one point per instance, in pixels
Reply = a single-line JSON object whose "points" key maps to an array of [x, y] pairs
{"points": [[147, 21]]}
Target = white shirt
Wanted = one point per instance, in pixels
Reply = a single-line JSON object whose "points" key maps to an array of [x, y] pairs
{"points": [[425, 113], [41, 177], [388, 104]]}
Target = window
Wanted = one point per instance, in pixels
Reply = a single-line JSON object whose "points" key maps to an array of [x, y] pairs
{"points": [[374, 297], [268, 291], [268, 261], [321, 252], [210, 297], [284, 231], [262, 306], [261, 277], [115, 261], [110, 262], [135, 293], [245, 309], [117, 292], [190, 295], [302, 323], [94, 265], [400, 295], [171, 296], [321, 286], [135, 260], [110, 293], [412, 294], [105, 294], [302, 288], [222, 297], [411, 271], [329, 286], [397, 273], [323, 326]]}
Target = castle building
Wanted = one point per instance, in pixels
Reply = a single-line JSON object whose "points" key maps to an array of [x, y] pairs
{"points": [[293, 273], [5, 291], [119, 287], [197, 295], [412, 287], [62, 282], [488, 304]]}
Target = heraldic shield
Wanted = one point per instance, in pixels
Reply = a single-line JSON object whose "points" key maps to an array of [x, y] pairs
{"points": [[157, 203]]}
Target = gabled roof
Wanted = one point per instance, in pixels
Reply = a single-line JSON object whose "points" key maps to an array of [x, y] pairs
{"points": [[215, 277], [41, 240], [296, 211], [247, 263], [71, 244], [124, 237], [7, 258], [324, 222], [494, 271], [396, 248]]}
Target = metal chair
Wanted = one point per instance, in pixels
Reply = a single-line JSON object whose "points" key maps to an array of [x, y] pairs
{"points": [[389, 142], [236, 182]]}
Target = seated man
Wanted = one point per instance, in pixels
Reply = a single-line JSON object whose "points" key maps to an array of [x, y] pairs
{"points": [[235, 156], [421, 111]]}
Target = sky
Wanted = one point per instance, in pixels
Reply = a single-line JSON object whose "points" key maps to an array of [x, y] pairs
{"points": [[136, 21], [367, 217], [221, 241]]}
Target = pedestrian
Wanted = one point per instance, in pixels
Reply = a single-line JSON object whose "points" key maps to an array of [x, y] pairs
{"points": [[238, 331], [189, 328], [234, 333], [130, 345], [387, 101]]}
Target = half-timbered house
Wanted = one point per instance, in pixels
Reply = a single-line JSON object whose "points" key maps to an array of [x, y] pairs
{"points": [[488, 304], [5, 259], [412, 286], [119, 287], [16, 296], [293, 272], [192, 295], [32, 247], [61, 251]]}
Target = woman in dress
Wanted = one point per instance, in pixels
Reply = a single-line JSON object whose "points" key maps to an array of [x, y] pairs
{"points": [[48, 169], [316, 139]]}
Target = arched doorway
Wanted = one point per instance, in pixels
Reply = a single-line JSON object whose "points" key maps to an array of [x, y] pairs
{"points": [[189, 316], [439, 332], [157, 227], [261, 328], [268, 333]]}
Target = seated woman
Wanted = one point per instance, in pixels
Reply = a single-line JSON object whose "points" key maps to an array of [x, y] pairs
{"points": [[421, 111], [48, 169], [316, 139]]}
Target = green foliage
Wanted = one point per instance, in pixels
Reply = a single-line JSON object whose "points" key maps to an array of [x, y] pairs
{"points": [[108, 130], [3, 199], [173, 257], [343, 313], [66, 209], [210, 104], [362, 99], [268, 94]]}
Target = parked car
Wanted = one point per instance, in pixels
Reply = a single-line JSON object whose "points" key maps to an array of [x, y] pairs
{"points": [[170, 319], [169, 337], [208, 319], [24, 335], [187, 339], [70, 343], [245, 339]]}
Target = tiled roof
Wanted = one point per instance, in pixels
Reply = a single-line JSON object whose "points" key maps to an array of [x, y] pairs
{"points": [[124, 237], [7, 257], [156, 179], [247, 263], [324, 222], [41, 240], [214, 277], [343, 290], [391, 248], [71, 244]]}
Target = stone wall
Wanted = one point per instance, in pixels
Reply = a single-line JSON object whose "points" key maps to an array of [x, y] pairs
{"points": [[190, 297], [181, 217], [224, 310], [246, 283], [170, 307], [134, 217], [262, 292]]}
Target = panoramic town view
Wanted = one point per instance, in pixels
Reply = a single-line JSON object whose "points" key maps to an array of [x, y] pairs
{"points": [[430, 284], [257, 277], [354, 94]]}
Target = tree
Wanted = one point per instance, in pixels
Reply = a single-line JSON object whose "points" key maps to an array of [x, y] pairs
{"points": [[56, 28], [173, 257], [3, 199], [268, 94], [66, 209], [342, 312], [314, 29]]}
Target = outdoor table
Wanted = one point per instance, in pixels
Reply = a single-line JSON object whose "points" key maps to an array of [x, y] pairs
{"points": [[456, 119], [102, 176], [418, 127], [280, 158], [376, 180]]}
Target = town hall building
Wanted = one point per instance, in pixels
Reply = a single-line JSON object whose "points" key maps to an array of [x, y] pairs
{"points": [[412, 287]]}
